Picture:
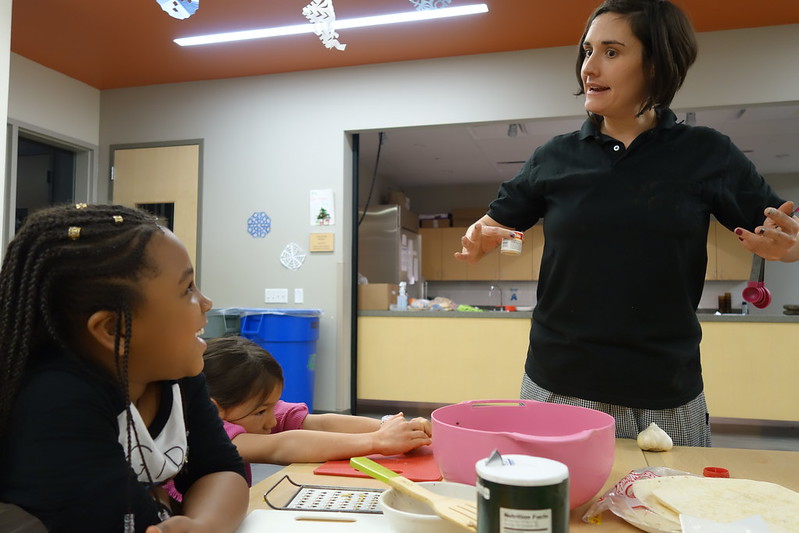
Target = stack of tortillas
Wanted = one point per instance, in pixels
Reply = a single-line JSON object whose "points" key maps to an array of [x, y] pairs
{"points": [[720, 500]]}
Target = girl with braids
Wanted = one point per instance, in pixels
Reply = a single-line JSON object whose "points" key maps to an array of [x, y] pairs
{"points": [[101, 392]]}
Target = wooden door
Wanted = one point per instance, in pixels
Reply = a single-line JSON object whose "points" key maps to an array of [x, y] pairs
{"points": [[166, 175], [431, 253]]}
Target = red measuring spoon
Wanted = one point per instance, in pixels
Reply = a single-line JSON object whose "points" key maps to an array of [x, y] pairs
{"points": [[756, 292]]}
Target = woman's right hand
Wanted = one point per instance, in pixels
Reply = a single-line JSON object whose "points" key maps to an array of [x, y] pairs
{"points": [[398, 435], [481, 237]]}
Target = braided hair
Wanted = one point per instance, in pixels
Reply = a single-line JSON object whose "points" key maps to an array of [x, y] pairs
{"points": [[65, 264]]}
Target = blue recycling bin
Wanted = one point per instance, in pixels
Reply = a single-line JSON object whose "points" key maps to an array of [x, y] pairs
{"points": [[290, 336]]}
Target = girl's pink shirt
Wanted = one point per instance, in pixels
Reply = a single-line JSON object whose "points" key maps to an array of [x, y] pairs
{"points": [[288, 415]]}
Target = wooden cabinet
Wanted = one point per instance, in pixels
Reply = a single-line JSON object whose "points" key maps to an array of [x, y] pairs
{"points": [[438, 247], [526, 266], [726, 258], [749, 368], [431, 253], [439, 263]]}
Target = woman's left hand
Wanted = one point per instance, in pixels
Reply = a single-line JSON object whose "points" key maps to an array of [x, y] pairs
{"points": [[776, 239]]}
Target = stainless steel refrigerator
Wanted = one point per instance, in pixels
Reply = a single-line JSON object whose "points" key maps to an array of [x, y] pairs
{"points": [[389, 246]]}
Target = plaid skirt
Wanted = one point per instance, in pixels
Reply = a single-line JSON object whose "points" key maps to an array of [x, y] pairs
{"points": [[687, 425]]}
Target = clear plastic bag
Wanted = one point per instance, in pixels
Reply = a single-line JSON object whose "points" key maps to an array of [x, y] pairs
{"points": [[621, 501]]}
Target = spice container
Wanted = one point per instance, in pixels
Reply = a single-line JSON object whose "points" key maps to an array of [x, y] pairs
{"points": [[521, 493], [512, 245]]}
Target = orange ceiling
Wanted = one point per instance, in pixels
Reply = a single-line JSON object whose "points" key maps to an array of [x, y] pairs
{"points": [[125, 43]]}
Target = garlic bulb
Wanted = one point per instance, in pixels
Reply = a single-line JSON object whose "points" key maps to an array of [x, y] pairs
{"points": [[654, 439]]}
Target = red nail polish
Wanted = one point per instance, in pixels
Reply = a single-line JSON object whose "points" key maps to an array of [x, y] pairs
{"points": [[739, 231]]}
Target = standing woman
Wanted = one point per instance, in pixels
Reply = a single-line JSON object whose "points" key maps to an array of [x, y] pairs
{"points": [[627, 201]]}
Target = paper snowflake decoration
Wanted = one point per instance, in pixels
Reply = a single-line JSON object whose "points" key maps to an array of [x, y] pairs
{"points": [[292, 256], [321, 15], [179, 9], [259, 225], [426, 5]]}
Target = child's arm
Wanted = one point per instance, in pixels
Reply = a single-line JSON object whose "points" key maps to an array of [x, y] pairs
{"points": [[396, 435], [355, 424], [215, 502], [341, 423]]}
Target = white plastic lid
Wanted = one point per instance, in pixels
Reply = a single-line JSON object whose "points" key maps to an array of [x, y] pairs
{"points": [[522, 471]]}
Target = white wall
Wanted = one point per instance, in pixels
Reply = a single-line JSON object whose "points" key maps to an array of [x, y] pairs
{"points": [[53, 102], [5, 47], [269, 140]]}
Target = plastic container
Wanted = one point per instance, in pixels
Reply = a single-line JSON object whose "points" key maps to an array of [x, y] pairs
{"points": [[406, 515], [512, 245], [290, 335], [222, 323], [582, 439], [522, 493], [715, 471], [402, 297]]}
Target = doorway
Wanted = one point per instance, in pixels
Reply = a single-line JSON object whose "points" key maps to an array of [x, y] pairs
{"points": [[45, 169], [164, 180], [45, 177]]}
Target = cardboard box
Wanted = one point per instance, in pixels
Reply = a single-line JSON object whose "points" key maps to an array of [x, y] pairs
{"points": [[377, 296], [435, 220], [435, 223], [399, 198], [464, 217]]}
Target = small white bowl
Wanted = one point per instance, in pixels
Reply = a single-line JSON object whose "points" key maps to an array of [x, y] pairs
{"points": [[406, 515]]}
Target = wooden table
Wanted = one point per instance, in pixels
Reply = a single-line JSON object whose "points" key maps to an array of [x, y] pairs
{"points": [[764, 465]]}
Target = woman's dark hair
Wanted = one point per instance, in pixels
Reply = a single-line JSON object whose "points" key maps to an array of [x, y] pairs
{"points": [[238, 369], [668, 40], [65, 264]]}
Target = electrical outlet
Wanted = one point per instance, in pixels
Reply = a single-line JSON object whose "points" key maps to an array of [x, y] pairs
{"points": [[276, 296], [299, 296]]}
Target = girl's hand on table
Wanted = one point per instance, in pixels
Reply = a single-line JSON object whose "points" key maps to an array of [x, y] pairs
{"points": [[397, 435]]}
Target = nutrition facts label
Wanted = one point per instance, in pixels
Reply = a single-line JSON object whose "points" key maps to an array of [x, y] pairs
{"points": [[525, 520]]}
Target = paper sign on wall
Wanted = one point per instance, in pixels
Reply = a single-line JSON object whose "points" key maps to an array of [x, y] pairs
{"points": [[322, 208], [321, 242]]}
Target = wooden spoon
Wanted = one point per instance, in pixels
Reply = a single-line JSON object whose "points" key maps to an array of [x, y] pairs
{"points": [[455, 510]]}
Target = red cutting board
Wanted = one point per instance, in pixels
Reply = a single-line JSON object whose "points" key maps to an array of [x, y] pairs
{"points": [[418, 465]]}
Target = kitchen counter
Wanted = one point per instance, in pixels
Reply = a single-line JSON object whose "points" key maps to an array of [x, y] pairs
{"points": [[703, 316], [749, 363], [764, 465]]}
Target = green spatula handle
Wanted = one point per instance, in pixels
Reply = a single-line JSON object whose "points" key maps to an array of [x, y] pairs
{"points": [[372, 469]]}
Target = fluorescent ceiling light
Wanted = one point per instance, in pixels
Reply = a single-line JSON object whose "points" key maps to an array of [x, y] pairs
{"points": [[362, 22]]}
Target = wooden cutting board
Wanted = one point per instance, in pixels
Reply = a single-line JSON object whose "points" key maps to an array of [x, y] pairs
{"points": [[419, 465]]}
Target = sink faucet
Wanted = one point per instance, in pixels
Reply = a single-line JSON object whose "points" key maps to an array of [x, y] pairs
{"points": [[491, 293]]}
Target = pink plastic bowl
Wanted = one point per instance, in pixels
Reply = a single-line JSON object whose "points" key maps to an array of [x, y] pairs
{"points": [[583, 439]]}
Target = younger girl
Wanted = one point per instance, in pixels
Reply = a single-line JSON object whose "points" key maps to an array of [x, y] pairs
{"points": [[245, 383], [99, 323]]}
